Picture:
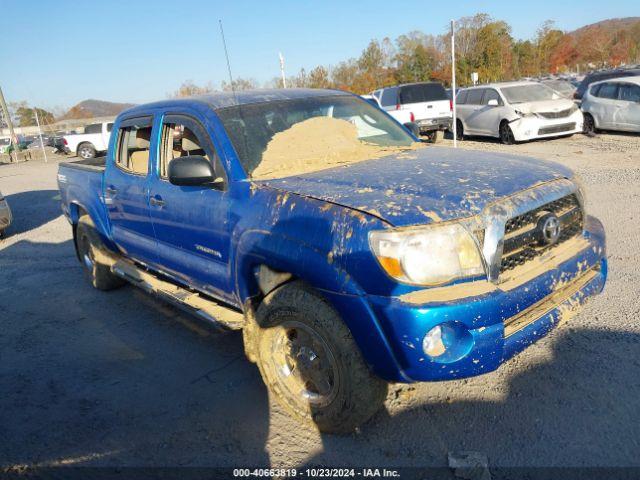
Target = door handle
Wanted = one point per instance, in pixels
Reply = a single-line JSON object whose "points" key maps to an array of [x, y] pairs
{"points": [[111, 190], [156, 201]]}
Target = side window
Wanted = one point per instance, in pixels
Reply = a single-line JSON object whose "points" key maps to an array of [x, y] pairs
{"points": [[461, 99], [491, 94], [474, 97], [182, 137], [377, 94], [109, 127], [389, 97], [608, 90], [629, 92], [93, 128], [133, 148], [595, 90]]}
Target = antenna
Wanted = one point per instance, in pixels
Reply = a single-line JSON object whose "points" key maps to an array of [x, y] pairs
{"points": [[226, 53]]}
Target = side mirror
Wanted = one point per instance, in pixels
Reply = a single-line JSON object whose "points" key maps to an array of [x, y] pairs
{"points": [[192, 170], [493, 102], [413, 128]]}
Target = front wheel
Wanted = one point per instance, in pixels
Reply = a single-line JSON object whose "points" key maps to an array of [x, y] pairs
{"points": [[506, 134], [311, 363], [589, 126]]}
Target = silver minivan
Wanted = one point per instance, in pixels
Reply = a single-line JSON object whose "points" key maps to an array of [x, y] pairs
{"points": [[612, 104], [5, 215]]}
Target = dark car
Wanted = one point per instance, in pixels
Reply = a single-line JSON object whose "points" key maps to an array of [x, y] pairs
{"points": [[603, 75]]}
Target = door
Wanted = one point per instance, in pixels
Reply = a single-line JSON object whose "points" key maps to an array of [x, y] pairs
{"points": [[629, 111], [488, 117], [126, 190], [191, 223], [472, 108], [605, 108]]}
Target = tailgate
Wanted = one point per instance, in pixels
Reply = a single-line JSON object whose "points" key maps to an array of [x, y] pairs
{"points": [[436, 109]]}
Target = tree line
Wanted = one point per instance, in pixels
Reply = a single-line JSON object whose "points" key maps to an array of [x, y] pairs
{"points": [[483, 45]]}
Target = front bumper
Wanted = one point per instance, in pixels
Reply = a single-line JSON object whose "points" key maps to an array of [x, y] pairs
{"points": [[5, 215], [530, 128], [493, 325]]}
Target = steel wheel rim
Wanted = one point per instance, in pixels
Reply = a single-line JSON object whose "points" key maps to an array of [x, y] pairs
{"points": [[85, 253], [85, 152], [303, 364]]}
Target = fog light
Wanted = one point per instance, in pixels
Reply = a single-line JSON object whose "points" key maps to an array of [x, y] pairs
{"points": [[432, 343]]}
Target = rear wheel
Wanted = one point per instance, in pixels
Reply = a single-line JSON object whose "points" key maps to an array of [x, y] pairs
{"points": [[506, 134], [88, 244], [86, 151], [459, 130], [310, 362]]}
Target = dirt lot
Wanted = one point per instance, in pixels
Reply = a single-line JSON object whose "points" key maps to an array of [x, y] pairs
{"points": [[93, 378]]}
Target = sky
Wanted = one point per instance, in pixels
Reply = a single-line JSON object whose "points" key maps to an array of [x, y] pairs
{"points": [[55, 53]]}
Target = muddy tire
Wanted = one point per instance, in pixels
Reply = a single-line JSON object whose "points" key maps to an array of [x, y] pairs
{"points": [[310, 362], [506, 134], [88, 244], [86, 151], [435, 136]]}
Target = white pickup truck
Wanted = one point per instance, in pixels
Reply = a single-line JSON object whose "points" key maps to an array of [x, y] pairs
{"points": [[94, 139]]}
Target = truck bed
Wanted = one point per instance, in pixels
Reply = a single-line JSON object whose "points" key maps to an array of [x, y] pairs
{"points": [[91, 164]]}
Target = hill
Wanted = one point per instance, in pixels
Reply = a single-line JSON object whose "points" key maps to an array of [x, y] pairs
{"points": [[95, 108]]}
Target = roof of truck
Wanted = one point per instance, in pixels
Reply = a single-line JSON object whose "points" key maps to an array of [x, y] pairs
{"points": [[218, 100]]}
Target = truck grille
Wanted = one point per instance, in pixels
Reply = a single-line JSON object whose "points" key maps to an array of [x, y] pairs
{"points": [[560, 114], [524, 239]]}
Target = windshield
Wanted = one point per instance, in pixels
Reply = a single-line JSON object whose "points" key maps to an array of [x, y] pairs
{"points": [[283, 138], [560, 86], [529, 93]]}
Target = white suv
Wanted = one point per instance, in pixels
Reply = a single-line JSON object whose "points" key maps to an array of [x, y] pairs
{"points": [[428, 104], [613, 105], [516, 112]]}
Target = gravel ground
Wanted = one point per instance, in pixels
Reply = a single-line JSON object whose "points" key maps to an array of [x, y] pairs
{"points": [[119, 379]]}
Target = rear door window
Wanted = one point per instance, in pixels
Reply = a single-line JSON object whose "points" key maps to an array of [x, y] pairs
{"points": [[475, 96], [422, 92], [461, 99], [629, 92], [93, 128], [389, 97], [491, 94], [134, 145], [609, 91]]}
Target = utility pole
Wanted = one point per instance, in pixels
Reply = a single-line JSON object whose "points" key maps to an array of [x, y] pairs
{"points": [[284, 78], [44, 152], [453, 84], [13, 140]]}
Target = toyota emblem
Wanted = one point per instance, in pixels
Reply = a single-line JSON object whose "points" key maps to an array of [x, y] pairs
{"points": [[549, 229]]}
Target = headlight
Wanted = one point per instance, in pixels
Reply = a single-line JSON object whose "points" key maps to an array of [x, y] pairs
{"points": [[525, 114], [581, 191], [427, 255]]}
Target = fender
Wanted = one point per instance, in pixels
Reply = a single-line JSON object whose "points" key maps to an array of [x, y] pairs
{"points": [[285, 254]]}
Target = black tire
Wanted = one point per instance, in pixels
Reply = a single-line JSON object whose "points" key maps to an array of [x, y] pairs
{"points": [[506, 134], [86, 151], [88, 244], [435, 137], [302, 345], [589, 125], [459, 130]]}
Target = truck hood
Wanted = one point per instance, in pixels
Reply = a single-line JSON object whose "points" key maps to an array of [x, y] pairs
{"points": [[424, 186]]}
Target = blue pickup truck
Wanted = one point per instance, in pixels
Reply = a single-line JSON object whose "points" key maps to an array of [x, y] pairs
{"points": [[349, 256]]}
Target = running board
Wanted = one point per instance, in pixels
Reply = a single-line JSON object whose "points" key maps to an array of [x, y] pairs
{"points": [[186, 300]]}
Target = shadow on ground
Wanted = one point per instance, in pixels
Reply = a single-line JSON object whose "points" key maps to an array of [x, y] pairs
{"points": [[32, 209]]}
